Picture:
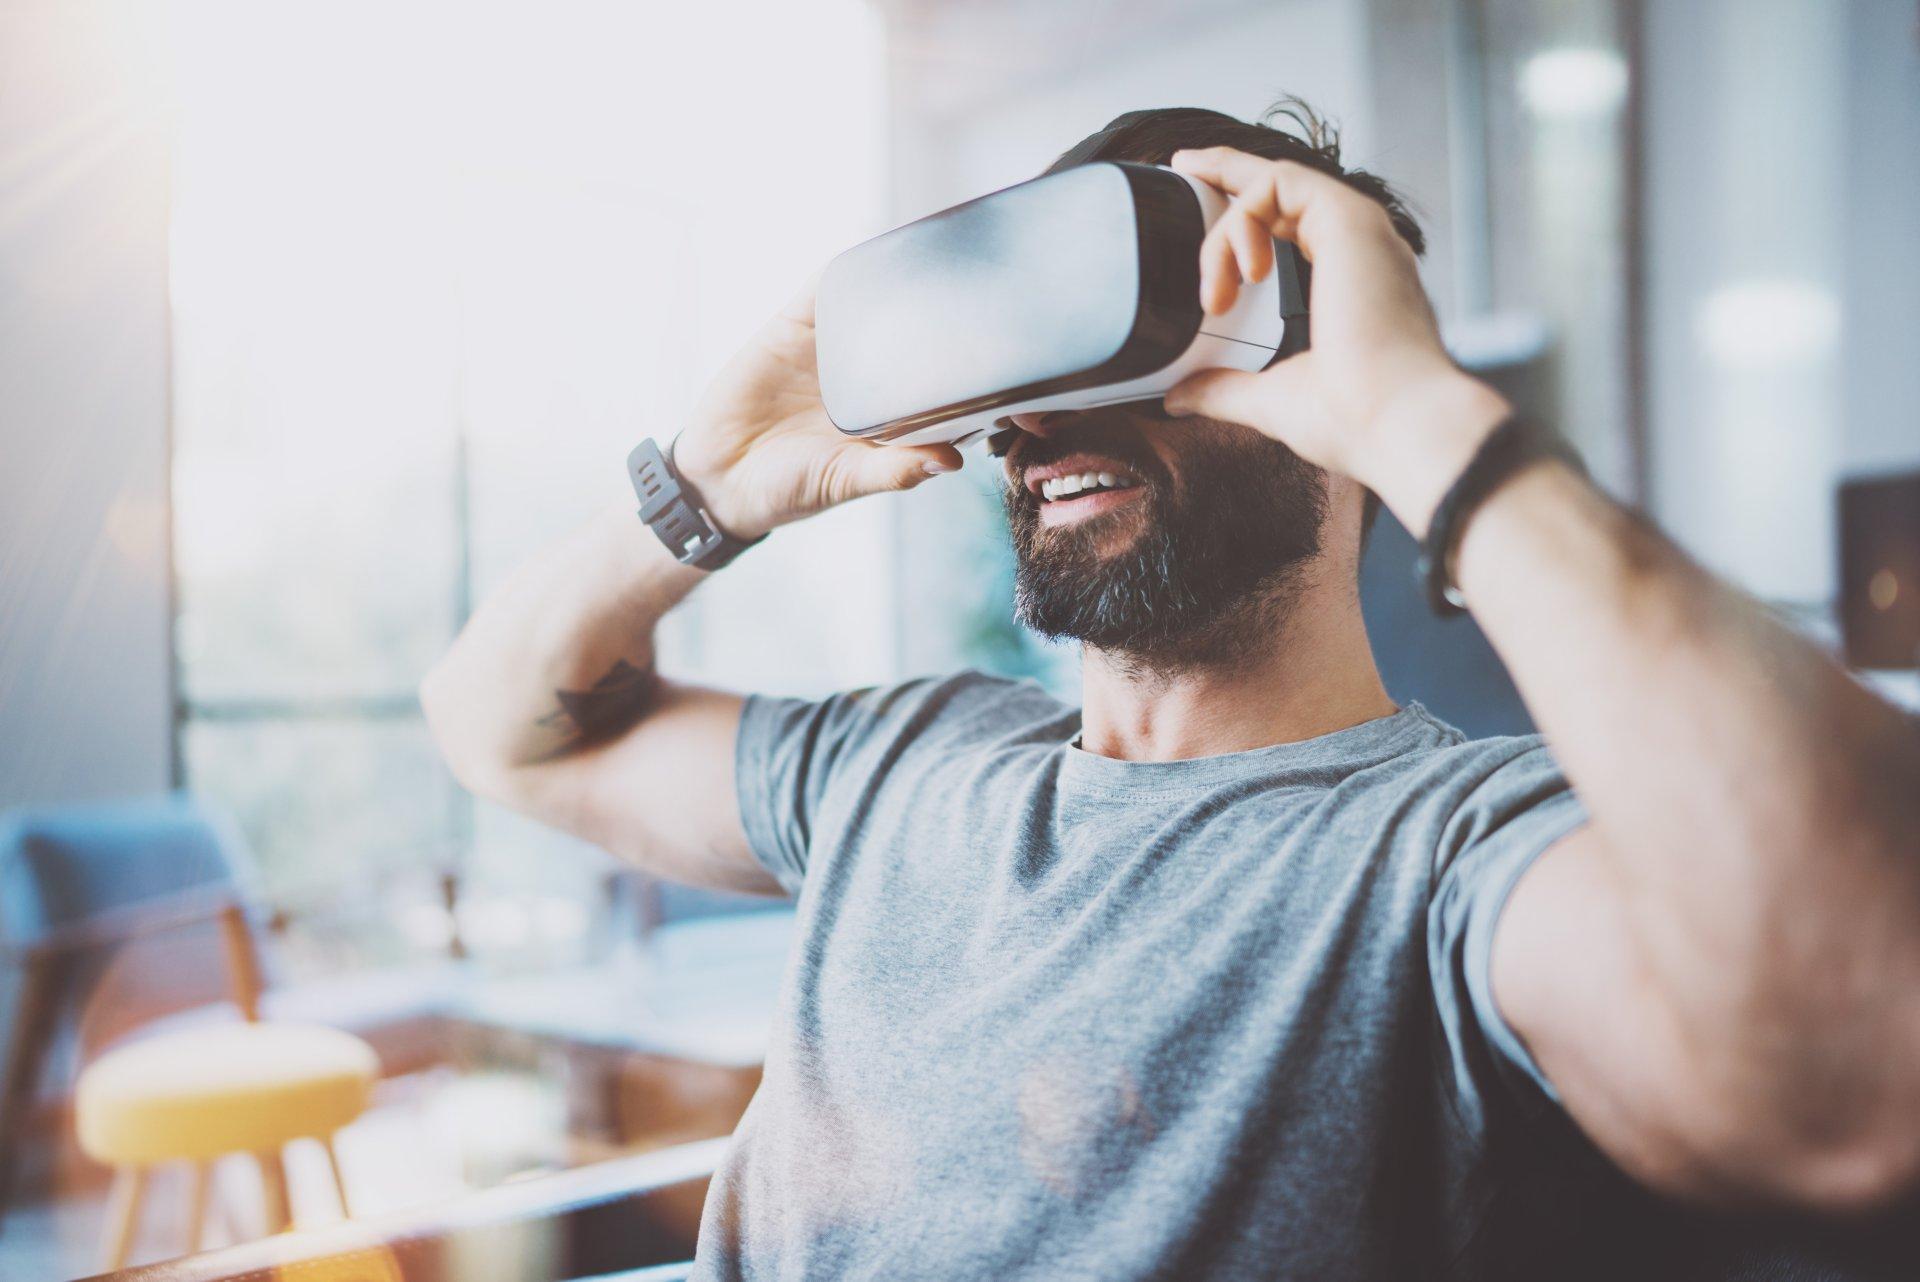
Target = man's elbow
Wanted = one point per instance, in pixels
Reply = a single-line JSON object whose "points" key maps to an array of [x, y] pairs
{"points": [[472, 768], [1854, 1156], [1861, 1058], [1829, 1057], [1859, 1177]]}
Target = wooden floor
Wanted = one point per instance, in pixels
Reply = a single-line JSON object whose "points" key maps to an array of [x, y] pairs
{"points": [[428, 1138]]}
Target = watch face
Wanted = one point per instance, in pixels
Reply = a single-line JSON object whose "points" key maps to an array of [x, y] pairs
{"points": [[1080, 278]]}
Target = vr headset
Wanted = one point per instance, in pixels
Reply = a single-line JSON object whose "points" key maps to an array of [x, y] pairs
{"points": [[1077, 289]]}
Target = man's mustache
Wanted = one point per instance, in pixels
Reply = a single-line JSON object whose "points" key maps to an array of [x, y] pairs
{"points": [[1095, 432]]}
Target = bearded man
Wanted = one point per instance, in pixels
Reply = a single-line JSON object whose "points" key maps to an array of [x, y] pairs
{"points": [[1239, 969]]}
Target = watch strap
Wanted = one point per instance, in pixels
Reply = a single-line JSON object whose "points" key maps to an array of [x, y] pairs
{"points": [[672, 509], [1517, 443]]}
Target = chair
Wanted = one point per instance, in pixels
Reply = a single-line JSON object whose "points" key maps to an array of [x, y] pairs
{"points": [[1447, 664], [195, 1096], [186, 1096], [74, 882]]}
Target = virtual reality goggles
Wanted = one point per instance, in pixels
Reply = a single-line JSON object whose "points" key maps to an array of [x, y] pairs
{"points": [[1077, 289]]}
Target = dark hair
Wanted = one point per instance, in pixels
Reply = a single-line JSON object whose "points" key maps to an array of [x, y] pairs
{"points": [[1152, 136]]}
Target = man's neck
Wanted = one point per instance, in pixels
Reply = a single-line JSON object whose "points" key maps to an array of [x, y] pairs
{"points": [[1313, 675]]}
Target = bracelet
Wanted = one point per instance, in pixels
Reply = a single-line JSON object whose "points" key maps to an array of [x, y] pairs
{"points": [[671, 509], [1515, 444]]}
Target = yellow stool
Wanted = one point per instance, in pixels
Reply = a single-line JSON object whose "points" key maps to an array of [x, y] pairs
{"points": [[198, 1095]]}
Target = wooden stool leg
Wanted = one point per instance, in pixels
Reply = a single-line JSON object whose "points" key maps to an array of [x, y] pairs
{"points": [[197, 1205], [228, 1223], [273, 1182], [36, 1014], [339, 1180], [129, 1185]]}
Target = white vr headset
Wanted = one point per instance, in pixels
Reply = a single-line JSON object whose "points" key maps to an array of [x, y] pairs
{"points": [[1077, 289]]}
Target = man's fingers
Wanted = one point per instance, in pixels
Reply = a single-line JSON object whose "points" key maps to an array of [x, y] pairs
{"points": [[1252, 243], [900, 467], [1219, 271], [1261, 400], [1277, 193], [1212, 393]]}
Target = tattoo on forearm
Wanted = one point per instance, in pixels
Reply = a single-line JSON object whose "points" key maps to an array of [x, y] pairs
{"points": [[610, 705]]}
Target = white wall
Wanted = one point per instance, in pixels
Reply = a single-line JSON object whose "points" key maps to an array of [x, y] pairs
{"points": [[1880, 309], [1783, 188], [1237, 60], [84, 685]]}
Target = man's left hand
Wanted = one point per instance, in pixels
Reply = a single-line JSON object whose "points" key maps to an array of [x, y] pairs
{"points": [[1376, 397]]}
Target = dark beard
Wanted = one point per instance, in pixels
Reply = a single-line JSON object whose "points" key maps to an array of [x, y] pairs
{"points": [[1211, 575]]}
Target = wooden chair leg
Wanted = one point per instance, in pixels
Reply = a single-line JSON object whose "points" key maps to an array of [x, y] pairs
{"points": [[197, 1205], [339, 1180], [229, 1224], [273, 1182], [129, 1185], [34, 1021]]}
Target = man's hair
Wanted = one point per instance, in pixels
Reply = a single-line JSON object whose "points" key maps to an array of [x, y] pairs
{"points": [[1152, 136]]}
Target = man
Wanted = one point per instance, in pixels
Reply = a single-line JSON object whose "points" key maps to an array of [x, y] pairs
{"points": [[1239, 969]]}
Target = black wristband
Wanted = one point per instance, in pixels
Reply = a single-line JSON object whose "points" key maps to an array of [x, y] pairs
{"points": [[1517, 443], [672, 509]]}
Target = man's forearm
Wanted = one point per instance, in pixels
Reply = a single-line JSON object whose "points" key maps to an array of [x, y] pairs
{"points": [[1758, 809], [560, 655]]}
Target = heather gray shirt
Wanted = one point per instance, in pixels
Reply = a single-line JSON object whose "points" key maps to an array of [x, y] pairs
{"points": [[1056, 1016]]}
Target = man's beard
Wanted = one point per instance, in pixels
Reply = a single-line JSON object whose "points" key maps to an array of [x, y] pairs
{"points": [[1211, 573]]}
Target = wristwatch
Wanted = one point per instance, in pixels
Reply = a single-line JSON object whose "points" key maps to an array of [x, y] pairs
{"points": [[672, 509]]}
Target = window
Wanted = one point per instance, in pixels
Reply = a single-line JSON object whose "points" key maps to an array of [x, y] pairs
{"points": [[434, 270]]}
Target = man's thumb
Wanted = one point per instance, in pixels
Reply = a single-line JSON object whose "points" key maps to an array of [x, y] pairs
{"points": [[1233, 395], [901, 467]]}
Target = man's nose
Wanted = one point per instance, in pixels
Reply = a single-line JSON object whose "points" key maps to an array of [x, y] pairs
{"points": [[1045, 423]]}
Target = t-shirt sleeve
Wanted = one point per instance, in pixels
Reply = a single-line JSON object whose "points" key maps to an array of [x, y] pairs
{"points": [[785, 759], [1519, 805], [795, 757]]}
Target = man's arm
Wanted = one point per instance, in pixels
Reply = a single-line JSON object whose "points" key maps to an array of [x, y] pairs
{"points": [[1721, 973], [549, 704], [549, 701]]}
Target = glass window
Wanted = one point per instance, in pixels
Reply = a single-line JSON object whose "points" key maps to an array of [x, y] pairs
{"points": [[342, 798], [428, 289]]}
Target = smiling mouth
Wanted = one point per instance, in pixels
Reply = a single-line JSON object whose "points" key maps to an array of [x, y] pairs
{"points": [[1060, 489], [1087, 503]]}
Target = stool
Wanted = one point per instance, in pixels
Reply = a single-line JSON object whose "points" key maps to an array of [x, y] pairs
{"points": [[198, 1095]]}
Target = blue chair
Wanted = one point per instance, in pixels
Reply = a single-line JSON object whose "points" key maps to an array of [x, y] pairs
{"points": [[75, 883], [1447, 664]]}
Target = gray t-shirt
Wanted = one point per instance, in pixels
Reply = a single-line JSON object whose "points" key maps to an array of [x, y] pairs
{"points": [[1056, 1016]]}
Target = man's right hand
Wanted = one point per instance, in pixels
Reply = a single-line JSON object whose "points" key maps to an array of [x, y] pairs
{"points": [[761, 450], [549, 702]]}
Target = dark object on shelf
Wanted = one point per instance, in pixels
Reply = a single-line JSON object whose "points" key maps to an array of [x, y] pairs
{"points": [[1880, 570]]}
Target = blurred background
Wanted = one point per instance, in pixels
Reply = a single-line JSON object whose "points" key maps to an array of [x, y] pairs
{"points": [[315, 318]]}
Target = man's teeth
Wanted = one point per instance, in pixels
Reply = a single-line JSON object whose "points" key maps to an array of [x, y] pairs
{"points": [[1059, 487]]}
